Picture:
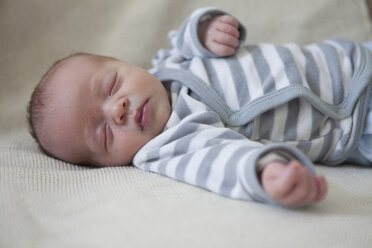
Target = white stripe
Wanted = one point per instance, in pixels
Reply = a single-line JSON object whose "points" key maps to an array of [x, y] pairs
{"points": [[189, 41], [170, 64], [242, 189], [280, 118], [193, 166], [325, 80], [346, 124], [197, 67], [304, 125], [226, 81], [316, 148], [198, 143], [276, 65], [305, 121], [300, 61], [194, 105], [336, 138], [238, 192], [345, 63], [217, 173], [251, 74], [173, 120], [171, 166], [325, 128]]}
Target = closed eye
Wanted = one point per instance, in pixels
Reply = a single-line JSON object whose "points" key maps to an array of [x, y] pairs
{"points": [[112, 85], [106, 132], [103, 136]]}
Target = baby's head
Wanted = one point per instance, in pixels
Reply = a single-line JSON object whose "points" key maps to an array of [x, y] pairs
{"points": [[96, 110]]}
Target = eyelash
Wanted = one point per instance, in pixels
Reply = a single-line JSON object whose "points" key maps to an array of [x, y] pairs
{"points": [[105, 131], [113, 85], [110, 93]]}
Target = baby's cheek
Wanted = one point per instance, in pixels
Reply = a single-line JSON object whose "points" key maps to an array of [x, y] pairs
{"points": [[126, 146]]}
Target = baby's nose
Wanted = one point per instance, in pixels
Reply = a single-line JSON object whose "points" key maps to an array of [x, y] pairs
{"points": [[116, 110]]}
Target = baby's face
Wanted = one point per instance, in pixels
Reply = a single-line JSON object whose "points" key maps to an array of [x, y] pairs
{"points": [[101, 111]]}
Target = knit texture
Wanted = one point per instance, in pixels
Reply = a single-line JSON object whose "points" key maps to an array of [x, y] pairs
{"points": [[49, 203]]}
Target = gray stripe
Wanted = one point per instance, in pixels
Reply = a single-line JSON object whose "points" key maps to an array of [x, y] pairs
{"points": [[343, 141], [180, 148], [317, 119], [205, 166], [183, 145], [240, 81], [207, 118], [350, 51], [230, 176], [313, 79], [248, 130], [228, 134], [334, 69], [290, 67], [213, 79], [152, 156], [162, 167], [181, 109], [339, 149], [304, 146], [181, 46], [326, 146], [182, 130], [182, 165], [212, 154], [185, 65], [312, 72], [263, 69], [290, 131], [177, 137], [266, 124]]}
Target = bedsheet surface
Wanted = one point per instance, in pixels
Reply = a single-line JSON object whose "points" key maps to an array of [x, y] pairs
{"points": [[49, 203]]}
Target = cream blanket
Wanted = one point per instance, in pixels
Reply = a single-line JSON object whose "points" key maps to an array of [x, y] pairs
{"points": [[48, 203]]}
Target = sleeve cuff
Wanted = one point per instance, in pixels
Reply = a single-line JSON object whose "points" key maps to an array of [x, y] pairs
{"points": [[270, 157]]}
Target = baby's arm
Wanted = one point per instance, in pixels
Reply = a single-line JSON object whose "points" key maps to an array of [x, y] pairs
{"points": [[220, 35], [292, 184], [205, 33]]}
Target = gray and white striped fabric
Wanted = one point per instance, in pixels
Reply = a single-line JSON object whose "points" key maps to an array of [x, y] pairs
{"points": [[229, 113]]}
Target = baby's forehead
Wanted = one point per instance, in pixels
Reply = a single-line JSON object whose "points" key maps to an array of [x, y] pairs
{"points": [[75, 65], [81, 60]]}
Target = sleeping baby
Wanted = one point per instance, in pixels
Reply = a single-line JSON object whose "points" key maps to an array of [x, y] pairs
{"points": [[243, 121]]}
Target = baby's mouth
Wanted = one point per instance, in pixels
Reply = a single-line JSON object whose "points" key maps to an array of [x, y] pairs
{"points": [[142, 115]]}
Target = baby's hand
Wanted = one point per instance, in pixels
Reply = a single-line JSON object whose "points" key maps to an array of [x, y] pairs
{"points": [[220, 35], [292, 184]]}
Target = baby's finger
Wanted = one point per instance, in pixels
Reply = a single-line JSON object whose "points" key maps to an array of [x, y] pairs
{"points": [[313, 190], [226, 39], [220, 49], [227, 29], [322, 188], [286, 182], [298, 196], [229, 20]]}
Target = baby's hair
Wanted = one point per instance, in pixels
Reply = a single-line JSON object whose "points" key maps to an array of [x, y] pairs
{"points": [[35, 107]]}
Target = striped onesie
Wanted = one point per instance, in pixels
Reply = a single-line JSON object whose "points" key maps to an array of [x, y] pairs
{"points": [[232, 115]]}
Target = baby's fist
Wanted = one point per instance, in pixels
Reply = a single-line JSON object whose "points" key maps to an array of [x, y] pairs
{"points": [[220, 35], [292, 184]]}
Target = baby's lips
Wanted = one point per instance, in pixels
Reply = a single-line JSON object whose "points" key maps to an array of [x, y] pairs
{"points": [[141, 115]]}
